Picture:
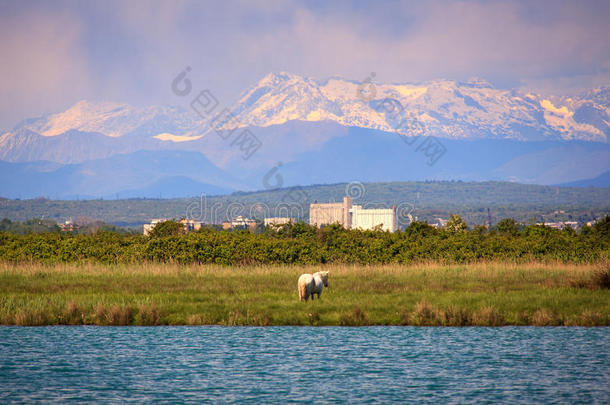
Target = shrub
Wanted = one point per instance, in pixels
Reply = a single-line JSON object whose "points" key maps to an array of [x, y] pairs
{"points": [[238, 318], [73, 314], [456, 224], [313, 318], [149, 315], [602, 227], [116, 315], [544, 317], [167, 228], [508, 226], [424, 315], [30, 317], [304, 244], [488, 316], [601, 278], [592, 318], [194, 319], [454, 316], [355, 318]]}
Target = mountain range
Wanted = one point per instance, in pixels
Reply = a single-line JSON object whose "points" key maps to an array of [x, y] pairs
{"points": [[289, 130]]}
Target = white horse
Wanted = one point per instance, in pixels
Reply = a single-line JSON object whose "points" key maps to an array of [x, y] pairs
{"points": [[321, 279], [305, 285], [310, 284]]}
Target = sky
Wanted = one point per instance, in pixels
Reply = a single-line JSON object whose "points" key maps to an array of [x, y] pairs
{"points": [[56, 53]]}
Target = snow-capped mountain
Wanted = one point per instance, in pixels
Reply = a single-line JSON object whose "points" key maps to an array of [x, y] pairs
{"points": [[112, 119], [447, 109], [317, 131], [91, 130]]}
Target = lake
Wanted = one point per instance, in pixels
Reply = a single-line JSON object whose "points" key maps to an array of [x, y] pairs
{"points": [[304, 364]]}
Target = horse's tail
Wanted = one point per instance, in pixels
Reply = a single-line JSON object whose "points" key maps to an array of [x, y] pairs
{"points": [[302, 290]]}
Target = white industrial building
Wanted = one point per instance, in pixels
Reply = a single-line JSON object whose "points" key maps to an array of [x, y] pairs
{"points": [[372, 218], [352, 216]]}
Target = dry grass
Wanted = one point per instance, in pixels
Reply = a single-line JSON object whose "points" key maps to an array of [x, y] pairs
{"points": [[426, 314], [601, 277], [488, 316], [356, 317], [194, 320], [544, 317], [149, 315], [115, 315], [73, 315], [30, 317]]}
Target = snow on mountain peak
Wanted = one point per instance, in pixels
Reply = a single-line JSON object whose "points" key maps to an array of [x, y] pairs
{"points": [[84, 116], [114, 120], [445, 108]]}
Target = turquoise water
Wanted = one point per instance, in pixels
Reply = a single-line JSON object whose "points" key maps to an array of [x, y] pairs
{"points": [[298, 364]]}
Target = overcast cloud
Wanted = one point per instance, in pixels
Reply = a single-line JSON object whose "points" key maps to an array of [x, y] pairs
{"points": [[57, 53]]}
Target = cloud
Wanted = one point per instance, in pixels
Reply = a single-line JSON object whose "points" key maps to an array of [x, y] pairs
{"points": [[457, 40], [42, 62], [55, 54]]}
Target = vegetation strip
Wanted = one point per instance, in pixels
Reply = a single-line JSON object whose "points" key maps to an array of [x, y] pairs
{"points": [[304, 244], [484, 294]]}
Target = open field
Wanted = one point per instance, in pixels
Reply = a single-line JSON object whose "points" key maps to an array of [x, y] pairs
{"points": [[483, 294]]}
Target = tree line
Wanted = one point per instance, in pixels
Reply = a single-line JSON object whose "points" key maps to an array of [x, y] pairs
{"points": [[300, 243]]}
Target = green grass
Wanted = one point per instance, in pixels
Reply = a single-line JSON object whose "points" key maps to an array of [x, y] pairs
{"points": [[483, 294]]}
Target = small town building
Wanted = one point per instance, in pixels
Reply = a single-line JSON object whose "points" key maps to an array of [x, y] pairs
{"points": [[68, 226], [239, 222], [277, 221], [562, 225]]}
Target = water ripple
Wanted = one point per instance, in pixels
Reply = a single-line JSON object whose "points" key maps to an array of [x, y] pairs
{"points": [[297, 364]]}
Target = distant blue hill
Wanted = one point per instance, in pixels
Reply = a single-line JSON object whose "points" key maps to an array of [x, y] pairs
{"points": [[603, 180], [343, 155], [136, 174], [174, 187], [370, 155]]}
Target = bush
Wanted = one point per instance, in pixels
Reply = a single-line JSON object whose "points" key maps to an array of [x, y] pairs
{"points": [[487, 316], [304, 244], [167, 228], [116, 315], [149, 315], [73, 315], [424, 315], [601, 278], [356, 318], [508, 226]]}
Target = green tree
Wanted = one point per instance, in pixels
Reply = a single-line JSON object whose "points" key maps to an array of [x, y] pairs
{"points": [[419, 229], [167, 228], [602, 227], [508, 226], [456, 224]]}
